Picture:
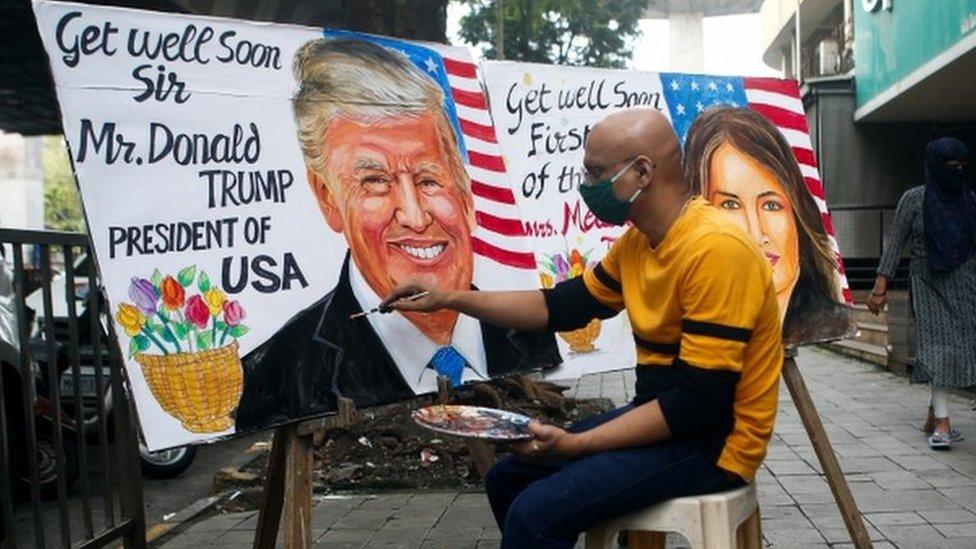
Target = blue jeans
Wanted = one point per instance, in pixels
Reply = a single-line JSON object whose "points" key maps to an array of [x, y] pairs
{"points": [[542, 504]]}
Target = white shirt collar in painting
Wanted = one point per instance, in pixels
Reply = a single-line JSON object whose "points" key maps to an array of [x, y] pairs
{"points": [[410, 349]]}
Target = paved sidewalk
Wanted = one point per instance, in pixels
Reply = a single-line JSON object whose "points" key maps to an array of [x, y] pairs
{"points": [[911, 496]]}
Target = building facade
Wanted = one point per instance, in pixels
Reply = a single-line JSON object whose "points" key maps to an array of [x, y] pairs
{"points": [[880, 78]]}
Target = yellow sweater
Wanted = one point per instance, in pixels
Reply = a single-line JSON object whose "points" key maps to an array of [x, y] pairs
{"points": [[704, 295]]}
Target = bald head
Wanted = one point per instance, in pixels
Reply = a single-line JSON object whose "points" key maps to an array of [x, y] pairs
{"points": [[630, 133]]}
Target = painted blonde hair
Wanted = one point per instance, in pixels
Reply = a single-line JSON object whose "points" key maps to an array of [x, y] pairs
{"points": [[357, 78]]}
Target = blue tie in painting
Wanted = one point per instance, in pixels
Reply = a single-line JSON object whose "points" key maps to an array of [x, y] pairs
{"points": [[448, 363]]}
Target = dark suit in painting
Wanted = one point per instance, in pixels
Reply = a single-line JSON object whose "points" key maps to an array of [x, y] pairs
{"points": [[321, 355]]}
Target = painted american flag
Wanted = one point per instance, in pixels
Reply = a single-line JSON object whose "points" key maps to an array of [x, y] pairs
{"points": [[778, 100], [500, 236]]}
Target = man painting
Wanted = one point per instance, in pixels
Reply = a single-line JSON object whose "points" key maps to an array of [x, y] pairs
{"points": [[383, 165], [701, 301]]}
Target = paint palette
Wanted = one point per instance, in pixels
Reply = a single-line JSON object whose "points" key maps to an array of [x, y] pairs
{"points": [[474, 422]]}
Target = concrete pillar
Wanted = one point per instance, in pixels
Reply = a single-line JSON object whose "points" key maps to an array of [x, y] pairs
{"points": [[21, 182], [687, 41]]}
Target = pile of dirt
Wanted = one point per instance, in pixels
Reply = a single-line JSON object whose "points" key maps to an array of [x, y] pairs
{"points": [[388, 451]]}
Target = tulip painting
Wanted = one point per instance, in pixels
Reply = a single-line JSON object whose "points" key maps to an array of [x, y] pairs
{"points": [[161, 317], [558, 268]]}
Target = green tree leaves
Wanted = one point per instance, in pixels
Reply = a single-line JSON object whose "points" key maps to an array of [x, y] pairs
{"points": [[596, 33]]}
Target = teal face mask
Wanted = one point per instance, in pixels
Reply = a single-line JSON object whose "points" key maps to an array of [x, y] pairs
{"points": [[600, 199]]}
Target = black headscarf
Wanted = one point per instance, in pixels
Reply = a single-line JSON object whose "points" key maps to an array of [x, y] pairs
{"points": [[949, 210]]}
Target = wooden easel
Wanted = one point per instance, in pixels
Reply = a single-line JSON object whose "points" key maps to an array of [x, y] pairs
{"points": [[288, 484], [825, 453]]}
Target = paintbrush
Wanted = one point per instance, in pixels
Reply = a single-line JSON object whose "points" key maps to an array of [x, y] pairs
{"points": [[377, 309]]}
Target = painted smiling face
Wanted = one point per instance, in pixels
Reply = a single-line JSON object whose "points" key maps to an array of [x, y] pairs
{"points": [[397, 200], [750, 194]]}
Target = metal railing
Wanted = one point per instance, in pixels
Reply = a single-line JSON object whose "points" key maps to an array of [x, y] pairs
{"points": [[69, 469]]}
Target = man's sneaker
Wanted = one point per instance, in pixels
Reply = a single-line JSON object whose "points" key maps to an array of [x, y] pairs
{"points": [[940, 441]]}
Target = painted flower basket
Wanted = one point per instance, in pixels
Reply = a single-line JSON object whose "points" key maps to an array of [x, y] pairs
{"points": [[195, 371], [557, 268], [200, 389]]}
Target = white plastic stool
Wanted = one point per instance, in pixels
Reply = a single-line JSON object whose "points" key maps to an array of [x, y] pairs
{"points": [[709, 521]]}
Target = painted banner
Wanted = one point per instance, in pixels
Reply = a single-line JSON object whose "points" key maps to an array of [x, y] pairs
{"points": [[249, 186], [746, 149]]}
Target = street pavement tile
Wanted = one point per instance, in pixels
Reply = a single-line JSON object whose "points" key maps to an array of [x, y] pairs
{"points": [[959, 530], [826, 521], [841, 535], [911, 536], [455, 531], [791, 533], [789, 467], [808, 498], [872, 499], [965, 496], [803, 484], [870, 465], [893, 519], [920, 463], [899, 480], [402, 538], [361, 520], [350, 538], [950, 516], [959, 543], [399, 524], [242, 537], [947, 478], [770, 512], [458, 543], [877, 545]]}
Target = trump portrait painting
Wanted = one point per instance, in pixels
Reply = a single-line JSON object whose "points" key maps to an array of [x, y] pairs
{"points": [[385, 165]]}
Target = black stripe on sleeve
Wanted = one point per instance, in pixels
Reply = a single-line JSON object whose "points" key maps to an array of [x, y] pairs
{"points": [[604, 277], [571, 306], [700, 400], [670, 349], [712, 329]]}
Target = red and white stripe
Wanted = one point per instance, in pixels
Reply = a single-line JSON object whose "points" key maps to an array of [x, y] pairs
{"points": [[779, 101], [500, 235]]}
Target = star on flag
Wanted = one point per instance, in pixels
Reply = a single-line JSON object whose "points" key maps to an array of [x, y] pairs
{"points": [[688, 95]]}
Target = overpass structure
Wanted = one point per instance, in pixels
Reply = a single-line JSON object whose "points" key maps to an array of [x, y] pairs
{"points": [[686, 18]]}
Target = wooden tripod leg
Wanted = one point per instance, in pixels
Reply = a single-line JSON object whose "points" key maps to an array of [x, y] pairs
{"points": [[825, 454], [269, 514], [299, 458]]}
